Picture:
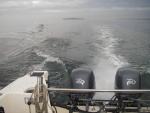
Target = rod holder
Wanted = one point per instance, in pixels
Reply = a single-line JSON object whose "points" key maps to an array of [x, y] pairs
{"points": [[39, 76], [40, 88]]}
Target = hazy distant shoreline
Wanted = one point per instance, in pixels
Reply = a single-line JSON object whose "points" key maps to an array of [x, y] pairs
{"points": [[133, 19], [73, 19]]}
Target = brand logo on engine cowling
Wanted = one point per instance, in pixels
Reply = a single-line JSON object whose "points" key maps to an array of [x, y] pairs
{"points": [[80, 81], [131, 81]]}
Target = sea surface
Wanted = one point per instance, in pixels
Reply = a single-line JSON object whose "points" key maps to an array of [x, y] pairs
{"points": [[60, 45]]}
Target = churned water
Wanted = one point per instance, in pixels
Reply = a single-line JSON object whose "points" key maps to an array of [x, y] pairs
{"points": [[60, 45]]}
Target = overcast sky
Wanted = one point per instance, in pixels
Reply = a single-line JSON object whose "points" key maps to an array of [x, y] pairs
{"points": [[72, 5]]}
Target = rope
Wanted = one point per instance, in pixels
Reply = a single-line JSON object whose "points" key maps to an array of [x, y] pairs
{"points": [[41, 107]]}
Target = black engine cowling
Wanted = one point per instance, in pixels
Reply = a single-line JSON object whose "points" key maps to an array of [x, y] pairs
{"points": [[82, 78], [128, 78]]}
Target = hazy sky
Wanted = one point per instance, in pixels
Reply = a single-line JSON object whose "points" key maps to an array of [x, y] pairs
{"points": [[75, 8], [72, 5]]}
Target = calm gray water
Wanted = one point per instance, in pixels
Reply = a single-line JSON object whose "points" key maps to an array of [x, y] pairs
{"points": [[58, 46]]}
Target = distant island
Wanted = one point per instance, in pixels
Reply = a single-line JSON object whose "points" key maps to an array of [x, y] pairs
{"points": [[133, 19], [73, 18]]}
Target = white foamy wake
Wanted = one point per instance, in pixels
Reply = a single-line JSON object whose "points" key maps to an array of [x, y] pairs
{"points": [[48, 58], [36, 35], [27, 39], [107, 62], [109, 42]]}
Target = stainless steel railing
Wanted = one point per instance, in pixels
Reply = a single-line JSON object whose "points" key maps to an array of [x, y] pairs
{"points": [[96, 90]]}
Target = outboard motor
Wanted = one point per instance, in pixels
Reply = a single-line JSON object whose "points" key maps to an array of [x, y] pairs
{"points": [[128, 78], [82, 78]]}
